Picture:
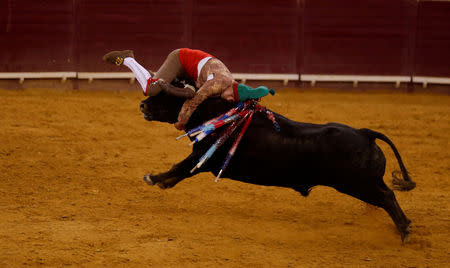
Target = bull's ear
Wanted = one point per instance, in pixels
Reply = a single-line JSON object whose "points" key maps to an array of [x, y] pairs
{"points": [[186, 92]]}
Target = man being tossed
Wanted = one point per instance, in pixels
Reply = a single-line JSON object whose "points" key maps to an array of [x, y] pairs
{"points": [[211, 76]]}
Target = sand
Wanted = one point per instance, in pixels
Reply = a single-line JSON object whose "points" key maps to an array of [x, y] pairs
{"points": [[71, 188]]}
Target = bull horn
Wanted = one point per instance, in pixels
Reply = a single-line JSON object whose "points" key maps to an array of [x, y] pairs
{"points": [[187, 92]]}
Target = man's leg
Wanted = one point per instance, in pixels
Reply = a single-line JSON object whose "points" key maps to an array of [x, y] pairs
{"points": [[126, 57], [169, 70], [141, 74]]}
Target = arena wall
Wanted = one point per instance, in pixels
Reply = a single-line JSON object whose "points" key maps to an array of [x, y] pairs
{"points": [[432, 50], [37, 36], [358, 37], [401, 38]]}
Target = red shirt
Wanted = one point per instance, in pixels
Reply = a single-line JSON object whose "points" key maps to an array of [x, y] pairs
{"points": [[189, 59]]}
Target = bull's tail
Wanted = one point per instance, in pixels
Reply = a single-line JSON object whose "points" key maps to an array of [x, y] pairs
{"points": [[405, 184]]}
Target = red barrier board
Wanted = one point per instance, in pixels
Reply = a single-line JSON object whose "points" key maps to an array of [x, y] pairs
{"points": [[371, 37], [151, 28], [250, 36], [432, 52], [36, 35]]}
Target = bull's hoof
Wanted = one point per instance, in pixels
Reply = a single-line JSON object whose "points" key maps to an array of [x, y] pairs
{"points": [[167, 183], [405, 234], [405, 238], [162, 185], [148, 179]]}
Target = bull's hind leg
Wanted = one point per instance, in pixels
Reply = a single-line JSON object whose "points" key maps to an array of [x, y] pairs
{"points": [[177, 173], [375, 192], [393, 209]]}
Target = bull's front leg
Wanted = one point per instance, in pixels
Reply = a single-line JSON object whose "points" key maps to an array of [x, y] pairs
{"points": [[176, 174]]}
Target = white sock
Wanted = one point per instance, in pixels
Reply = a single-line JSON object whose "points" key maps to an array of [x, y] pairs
{"points": [[142, 75]]}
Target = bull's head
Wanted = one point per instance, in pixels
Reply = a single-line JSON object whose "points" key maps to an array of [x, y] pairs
{"points": [[165, 107], [162, 107]]}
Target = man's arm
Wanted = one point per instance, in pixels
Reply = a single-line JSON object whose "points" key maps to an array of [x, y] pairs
{"points": [[186, 92]]}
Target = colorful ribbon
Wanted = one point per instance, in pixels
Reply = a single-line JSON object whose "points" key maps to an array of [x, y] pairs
{"points": [[243, 112]]}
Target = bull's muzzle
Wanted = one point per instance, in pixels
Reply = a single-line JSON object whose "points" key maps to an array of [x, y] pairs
{"points": [[144, 111]]}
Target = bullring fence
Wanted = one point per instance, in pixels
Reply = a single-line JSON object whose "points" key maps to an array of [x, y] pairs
{"points": [[395, 41]]}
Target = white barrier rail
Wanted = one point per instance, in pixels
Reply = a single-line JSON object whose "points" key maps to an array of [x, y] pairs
{"points": [[283, 77], [110, 75], [243, 77], [355, 79], [238, 76], [38, 75], [425, 80]]}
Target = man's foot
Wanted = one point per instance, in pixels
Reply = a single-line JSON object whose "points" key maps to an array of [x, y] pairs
{"points": [[117, 57]]}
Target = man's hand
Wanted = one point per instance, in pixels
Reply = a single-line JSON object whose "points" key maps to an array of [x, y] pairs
{"points": [[187, 86], [179, 125]]}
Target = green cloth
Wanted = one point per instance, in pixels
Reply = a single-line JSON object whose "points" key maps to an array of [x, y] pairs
{"points": [[245, 92]]}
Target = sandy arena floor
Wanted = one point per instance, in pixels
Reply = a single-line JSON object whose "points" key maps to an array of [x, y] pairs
{"points": [[71, 189]]}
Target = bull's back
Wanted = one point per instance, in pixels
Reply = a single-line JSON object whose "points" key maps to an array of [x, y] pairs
{"points": [[301, 153]]}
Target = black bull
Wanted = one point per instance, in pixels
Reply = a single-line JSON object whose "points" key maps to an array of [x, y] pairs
{"points": [[300, 156]]}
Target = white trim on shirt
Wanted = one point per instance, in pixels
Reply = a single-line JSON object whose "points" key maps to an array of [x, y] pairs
{"points": [[201, 63]]}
